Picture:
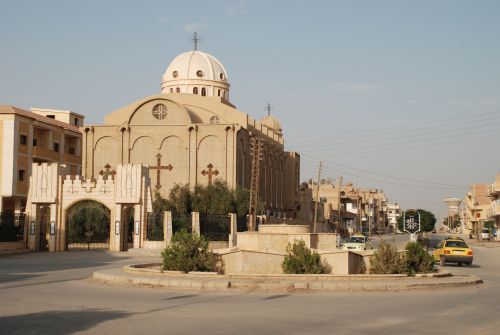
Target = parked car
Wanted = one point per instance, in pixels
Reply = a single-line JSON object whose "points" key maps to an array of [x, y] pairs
{"points": [[357, 243], [485, 234], [453, 250]]}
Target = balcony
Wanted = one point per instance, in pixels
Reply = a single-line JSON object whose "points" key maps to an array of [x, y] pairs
{"points": [[493, 211], [45, 153], [494, 189], [72, 159]]}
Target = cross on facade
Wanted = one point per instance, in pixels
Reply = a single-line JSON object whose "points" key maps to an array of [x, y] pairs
{"points": [[158, 169], [107, 172], [160, 111], [210, 172]]}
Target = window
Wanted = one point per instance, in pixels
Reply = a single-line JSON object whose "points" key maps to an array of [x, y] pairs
{"points": [[200, 73], [171, 90], [76, 121], [175, 74], [56, 147], [21, 175], [221, 76], [24, 139], [71, 151], [178, 90], [51, 116], [203, 91], [159, 111], [195, 90], [35, 142], [218, 92]]}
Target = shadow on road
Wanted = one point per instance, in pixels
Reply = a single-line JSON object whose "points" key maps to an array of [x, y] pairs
{"points": [[57, 322]]}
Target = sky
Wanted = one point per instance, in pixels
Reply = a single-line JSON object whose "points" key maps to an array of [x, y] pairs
{"points": [[402, 96]]}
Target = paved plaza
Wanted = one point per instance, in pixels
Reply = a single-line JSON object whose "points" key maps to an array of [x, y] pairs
{"points": [[51, 293]]}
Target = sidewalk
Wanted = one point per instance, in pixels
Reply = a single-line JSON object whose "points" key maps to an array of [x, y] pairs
{"points": [[281, 283]]}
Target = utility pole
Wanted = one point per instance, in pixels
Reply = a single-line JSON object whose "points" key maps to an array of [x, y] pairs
{"points": [[371, 209], [339, 207], [256, 145], [317, 200]]}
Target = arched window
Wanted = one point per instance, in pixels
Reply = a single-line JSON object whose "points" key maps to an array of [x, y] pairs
{"points": [[171, 90], [218, 92], [195, 90], [178, 90], [203, 91]]}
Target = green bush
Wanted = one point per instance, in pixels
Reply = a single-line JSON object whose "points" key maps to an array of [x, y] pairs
{"points": [[417, 259], [387, 260], [301, 259], [188, 252]]}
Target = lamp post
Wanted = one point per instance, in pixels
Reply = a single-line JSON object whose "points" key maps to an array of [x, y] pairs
{"points": [[475, 220]]}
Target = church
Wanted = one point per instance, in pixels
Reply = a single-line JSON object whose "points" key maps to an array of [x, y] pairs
{"points": [[192, 134]]}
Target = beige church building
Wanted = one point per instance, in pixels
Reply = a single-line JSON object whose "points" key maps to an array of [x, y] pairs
{"points": [[192, 134]]}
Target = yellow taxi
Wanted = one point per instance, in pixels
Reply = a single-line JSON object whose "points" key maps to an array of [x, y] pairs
{"points": [[453, 250]]}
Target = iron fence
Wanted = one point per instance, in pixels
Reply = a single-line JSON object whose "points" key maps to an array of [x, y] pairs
{"points": [[181, 221], [11, 227], [215, 227], [154, 228], [241, 224]]}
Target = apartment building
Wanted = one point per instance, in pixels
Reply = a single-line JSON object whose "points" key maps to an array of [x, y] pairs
{"points": [[477, 204], [493, 212], [36, 136]]}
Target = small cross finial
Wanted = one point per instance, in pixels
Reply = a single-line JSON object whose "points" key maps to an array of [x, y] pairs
{"points": [[196, 39], [268, 108]]}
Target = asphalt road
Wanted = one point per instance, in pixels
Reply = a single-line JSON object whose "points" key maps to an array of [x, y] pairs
{"points": [[51, 294]]}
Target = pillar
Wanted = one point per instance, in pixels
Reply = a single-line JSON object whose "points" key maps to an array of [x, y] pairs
{"points": [[195, 223], [233, 230], [167, 227], [137, 226]]}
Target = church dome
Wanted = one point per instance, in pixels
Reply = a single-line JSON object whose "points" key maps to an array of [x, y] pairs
{"points": [[196, 72], [272, 123]]}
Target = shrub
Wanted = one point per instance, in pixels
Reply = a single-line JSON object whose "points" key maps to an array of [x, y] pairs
{"points": [[300, 259], [188, 252], [387, 260], [417, 259]]}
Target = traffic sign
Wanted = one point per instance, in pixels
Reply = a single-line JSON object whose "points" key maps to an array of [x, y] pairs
{"points": [[411, 221]]}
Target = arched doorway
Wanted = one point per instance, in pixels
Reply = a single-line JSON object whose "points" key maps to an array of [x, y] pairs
{"points": [[88, 226]]}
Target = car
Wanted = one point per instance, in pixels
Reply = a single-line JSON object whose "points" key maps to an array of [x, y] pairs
{"points": [[485, 234], [357, 243], [453, 250]]}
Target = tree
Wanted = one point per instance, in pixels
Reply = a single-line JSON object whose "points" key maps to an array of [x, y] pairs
{"points": [[387, 260], [88, 221], [188, 252], [427, 221], [300, 260]]}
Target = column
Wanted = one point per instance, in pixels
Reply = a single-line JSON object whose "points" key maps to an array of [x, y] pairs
{"points": [[195, 223], [193, 162], [137, 226], [233, 230], [167, 227]]}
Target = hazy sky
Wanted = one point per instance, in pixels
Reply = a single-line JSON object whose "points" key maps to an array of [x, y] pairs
{"points": [[402, 96]]}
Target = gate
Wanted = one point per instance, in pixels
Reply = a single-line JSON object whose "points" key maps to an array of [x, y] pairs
{"points": [[88, 225], [11, 227], [215, 227], [154, 227], [182, 221]]}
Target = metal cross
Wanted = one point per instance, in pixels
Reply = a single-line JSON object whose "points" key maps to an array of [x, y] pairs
{"points": [[210, 173], [196, 39], [158, 169], [107, 172], [268, 108]]}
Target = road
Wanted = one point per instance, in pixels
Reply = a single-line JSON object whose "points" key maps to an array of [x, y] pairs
{"points": [[50, 293]]}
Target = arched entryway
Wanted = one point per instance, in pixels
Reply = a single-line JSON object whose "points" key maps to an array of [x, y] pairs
{"points": [[88, 226]]}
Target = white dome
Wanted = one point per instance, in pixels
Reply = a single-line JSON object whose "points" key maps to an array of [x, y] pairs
{"points": [[196, 72]]}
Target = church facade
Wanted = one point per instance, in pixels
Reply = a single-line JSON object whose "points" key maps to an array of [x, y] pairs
{"points": [[191, 134]]}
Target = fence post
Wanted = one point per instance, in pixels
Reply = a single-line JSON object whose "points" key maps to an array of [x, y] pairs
{"points": [[167, 227], [233, 230], [195, 223]]}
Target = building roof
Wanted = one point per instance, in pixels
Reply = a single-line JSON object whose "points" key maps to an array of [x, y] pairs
{"points": [[9, 109]]}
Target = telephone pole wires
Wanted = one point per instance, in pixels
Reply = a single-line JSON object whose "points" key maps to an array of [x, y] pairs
{"points": [[317, 201]]}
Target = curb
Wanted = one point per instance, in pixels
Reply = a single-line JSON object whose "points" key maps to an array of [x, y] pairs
{"points": [[306, 285]]}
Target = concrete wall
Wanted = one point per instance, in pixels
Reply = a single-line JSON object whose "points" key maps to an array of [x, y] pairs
{"points": [[12, 245]]}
